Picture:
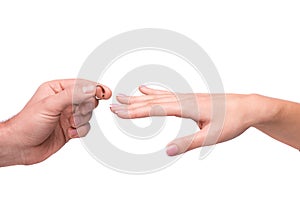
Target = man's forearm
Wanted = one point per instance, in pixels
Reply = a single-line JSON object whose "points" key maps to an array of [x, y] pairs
{"points": [[9, 154]]}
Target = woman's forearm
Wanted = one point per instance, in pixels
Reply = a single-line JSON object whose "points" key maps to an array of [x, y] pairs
{"points": [[280, 119]]}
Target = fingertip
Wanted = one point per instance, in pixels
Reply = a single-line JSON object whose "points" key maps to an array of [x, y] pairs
{"points": [[123, 99], [72, 133], [83, 130], [103, 92], [79, 132], [142, 88], [111, 107], [108, 92], [172, 150]]}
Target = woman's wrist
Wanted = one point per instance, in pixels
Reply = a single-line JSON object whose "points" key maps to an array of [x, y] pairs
{"points": [[9, 153], [262, 110]]}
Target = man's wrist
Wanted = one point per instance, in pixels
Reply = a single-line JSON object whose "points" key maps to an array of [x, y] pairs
{"points": [[9, 153]]}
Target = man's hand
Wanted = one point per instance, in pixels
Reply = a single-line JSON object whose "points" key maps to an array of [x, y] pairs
{"points": [[59, 111]]}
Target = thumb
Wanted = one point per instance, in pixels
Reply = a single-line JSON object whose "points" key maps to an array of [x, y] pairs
{"points": [[58, 102], [102, 92], [187, 143]]}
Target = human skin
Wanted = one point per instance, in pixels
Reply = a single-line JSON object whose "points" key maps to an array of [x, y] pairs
{"points": [[277, 118], [59, 111]]}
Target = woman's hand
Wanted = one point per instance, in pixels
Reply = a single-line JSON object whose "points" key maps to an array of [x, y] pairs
{"points": [[197, 107], [58, 111], [220, 117]]}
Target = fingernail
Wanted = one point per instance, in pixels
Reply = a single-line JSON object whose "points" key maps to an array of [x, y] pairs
{"points": [[113, 105], [88, 89], [120, 111], [172, 150]]}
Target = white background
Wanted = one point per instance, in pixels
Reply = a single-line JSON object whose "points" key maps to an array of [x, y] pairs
{"points": [[254, 44]]}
